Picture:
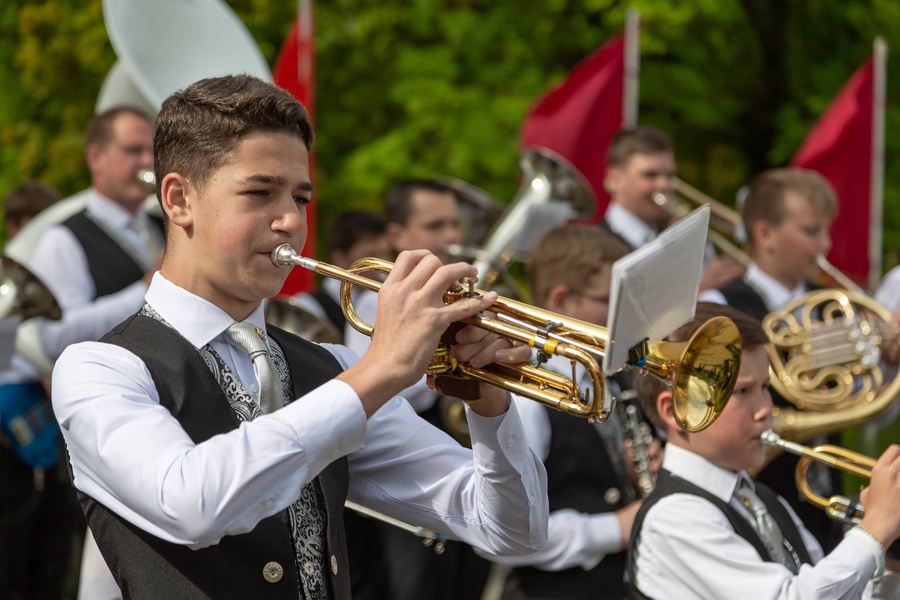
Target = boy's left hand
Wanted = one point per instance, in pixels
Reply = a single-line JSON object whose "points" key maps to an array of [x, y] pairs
{"points": [[479, 347]]}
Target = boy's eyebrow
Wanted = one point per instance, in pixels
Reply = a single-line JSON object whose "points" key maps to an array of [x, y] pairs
{"points": [[262, 178]]}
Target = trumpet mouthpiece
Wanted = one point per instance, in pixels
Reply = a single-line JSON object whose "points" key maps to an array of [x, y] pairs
{"points": [[770, 438], [285, 256]]}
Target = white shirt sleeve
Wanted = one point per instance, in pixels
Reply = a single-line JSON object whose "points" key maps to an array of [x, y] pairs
{"points": [[888, 292], [70, 282], [688, 549], [575, 539], [419, 395], [130, 454]]}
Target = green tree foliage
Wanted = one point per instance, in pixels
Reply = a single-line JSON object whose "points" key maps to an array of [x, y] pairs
{"points": [[425, 87]]}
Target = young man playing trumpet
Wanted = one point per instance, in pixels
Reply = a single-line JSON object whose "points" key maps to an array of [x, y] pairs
{"points": [[200, 474], [708, 531]]}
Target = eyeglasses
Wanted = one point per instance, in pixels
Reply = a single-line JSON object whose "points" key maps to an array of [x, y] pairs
{"points": [[594, 297]]}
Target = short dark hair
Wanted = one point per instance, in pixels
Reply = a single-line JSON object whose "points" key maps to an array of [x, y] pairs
{"points": [[100, 129], [765, 199], [351, 226], [398, 207], [199, 127], [28, 199], [642, 139], [649, 387], [570, 255]]}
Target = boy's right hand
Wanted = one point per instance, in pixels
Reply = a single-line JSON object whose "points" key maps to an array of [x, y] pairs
{"points": [[882, 518], [410, 320]]}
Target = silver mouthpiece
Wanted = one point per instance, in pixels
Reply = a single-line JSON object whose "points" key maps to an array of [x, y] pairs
{"points": [[770, 438], [285, 256]]}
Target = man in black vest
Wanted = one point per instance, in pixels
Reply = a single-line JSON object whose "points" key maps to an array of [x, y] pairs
{"points": [[640, 165], [787, 214], [97, 262], [213, 454], [592, 493], [708, 531]]}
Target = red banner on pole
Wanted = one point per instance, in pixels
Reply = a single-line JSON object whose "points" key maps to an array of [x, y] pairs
{"points": [[840, 148], [294, 71], [579, 118]]}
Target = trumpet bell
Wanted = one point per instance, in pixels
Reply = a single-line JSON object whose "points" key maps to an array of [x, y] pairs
{"points": [[702, 371]]}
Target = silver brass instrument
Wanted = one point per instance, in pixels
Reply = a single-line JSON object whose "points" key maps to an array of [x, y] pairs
{"points": [[638, 437], [552, 193], [839, 508], [287, 313], [824, 358], [701, 371], [429, 538]]}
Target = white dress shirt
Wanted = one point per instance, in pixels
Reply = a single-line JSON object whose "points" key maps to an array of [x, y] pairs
{"points": [[888, 292], [773, 293], [60, 262], [628, 226], [688, 549], [420, 396], [130, 454]]}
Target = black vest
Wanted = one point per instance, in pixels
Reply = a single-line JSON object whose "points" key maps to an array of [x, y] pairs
{"points": [[579, 472], [779, 473], [668, 484], [332, 309], [111, 268], [145, 566]]}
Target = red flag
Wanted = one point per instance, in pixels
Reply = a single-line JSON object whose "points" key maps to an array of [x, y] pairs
{"points": [[579, 118], [840, 147], [294, 72]]}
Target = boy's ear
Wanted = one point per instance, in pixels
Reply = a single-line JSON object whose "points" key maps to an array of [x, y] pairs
{"points": [[611, 179], [556, 298], [177, 197], [762, 233], [665, 407]]}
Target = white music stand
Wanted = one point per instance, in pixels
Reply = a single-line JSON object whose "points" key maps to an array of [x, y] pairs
{"points": [[654, 289]]}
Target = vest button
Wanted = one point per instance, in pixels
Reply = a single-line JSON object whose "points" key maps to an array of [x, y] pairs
{"points": [[334, 568], [273, 572], [612, 496]]}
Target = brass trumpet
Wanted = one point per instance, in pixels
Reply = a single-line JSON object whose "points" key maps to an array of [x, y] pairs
{"points": [[839, 508], [701, 371]]}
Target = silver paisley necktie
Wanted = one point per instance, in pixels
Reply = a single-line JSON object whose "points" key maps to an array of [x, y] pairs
{"points": [[252, 340], [765, 525]]}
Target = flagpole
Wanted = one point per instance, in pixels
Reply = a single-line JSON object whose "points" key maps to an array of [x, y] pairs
{"points": [[879, 67], [632, 67]]}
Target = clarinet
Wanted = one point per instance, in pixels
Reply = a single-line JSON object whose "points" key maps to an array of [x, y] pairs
{"points": [[638, 437]]}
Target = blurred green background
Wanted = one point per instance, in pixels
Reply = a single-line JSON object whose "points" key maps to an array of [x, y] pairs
{"points": [[418, 88]]}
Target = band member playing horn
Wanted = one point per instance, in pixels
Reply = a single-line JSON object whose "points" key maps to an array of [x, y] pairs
{"points": [[200, 474], [591, 482], [707, 530], [640, 165], [421, 214], [787, 214]]}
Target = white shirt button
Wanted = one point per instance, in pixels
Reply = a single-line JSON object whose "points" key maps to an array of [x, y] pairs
{"points": [[269, 505], [509, 443]]}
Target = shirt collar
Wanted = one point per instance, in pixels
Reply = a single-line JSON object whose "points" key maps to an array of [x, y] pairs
{"points": [[692, 467], [628, 225], [108, 211], [774, 293], [198, 320]]}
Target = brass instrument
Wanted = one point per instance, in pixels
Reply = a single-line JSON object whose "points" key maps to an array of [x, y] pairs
{"points": [[638, 437], [825, 352], [552, 192], [290, 315], [701, 371], [824, 358], [839, 508]]}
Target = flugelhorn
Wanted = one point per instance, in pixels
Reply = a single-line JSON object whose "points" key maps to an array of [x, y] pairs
{"points": [[701, 371], [839, 508]]}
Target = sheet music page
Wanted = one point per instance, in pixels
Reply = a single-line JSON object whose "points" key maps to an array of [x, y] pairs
{"points": [[654, 289]]}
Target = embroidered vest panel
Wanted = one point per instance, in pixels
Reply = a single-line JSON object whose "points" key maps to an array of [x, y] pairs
{"points": [[145, 566]]}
